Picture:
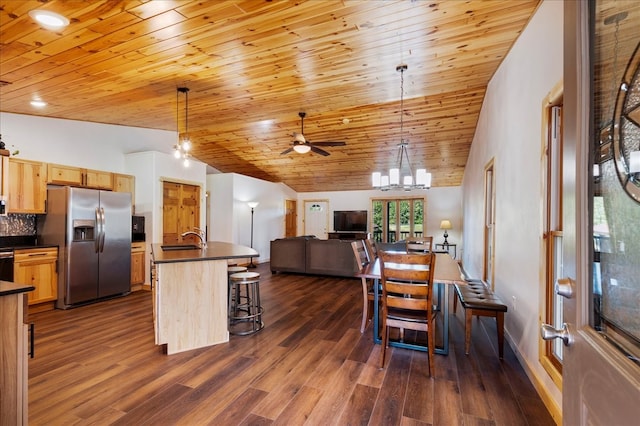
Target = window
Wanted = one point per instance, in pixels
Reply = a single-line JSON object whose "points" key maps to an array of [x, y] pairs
{"points": [[551, 351], [397, 219]]}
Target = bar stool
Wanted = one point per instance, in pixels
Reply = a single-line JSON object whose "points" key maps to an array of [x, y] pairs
{"points": [[233, 269], [245, 311]]}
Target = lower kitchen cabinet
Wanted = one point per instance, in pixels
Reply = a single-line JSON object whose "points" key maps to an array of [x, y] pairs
{"points": [[14, 375], [38, 267], [137, 265]]}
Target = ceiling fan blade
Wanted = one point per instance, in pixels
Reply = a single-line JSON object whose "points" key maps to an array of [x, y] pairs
{"points": [[328, 143], [318, 150], [286, 151]]}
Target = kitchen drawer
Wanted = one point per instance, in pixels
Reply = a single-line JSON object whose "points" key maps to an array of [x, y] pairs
{"points": [[35, 254]]}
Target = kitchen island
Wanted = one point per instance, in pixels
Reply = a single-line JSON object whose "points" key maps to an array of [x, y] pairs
{"points": [[189, 287]]}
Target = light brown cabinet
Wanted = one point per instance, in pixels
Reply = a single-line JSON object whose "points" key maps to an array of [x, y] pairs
{"points": [[137, 264], [37, 267], [125, 183], [75, 176], [14, 375], [27, 189]]}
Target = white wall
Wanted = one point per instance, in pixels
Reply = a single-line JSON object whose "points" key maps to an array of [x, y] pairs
{"points": [[441, 203], [77, 143], [509, 131], [230, 216]]}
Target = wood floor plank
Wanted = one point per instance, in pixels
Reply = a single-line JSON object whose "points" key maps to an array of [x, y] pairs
{"points": [[447, 405], [390, 403], [420, 387], [359, 407], [300, 407], [334, 397], [239, 409], [98, 365]]}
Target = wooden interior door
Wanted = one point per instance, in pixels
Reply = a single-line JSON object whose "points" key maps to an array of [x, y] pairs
{"points": [[181, 211], [290, 218]]}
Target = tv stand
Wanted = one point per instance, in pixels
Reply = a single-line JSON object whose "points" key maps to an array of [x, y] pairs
{"points": [[348, 235]]}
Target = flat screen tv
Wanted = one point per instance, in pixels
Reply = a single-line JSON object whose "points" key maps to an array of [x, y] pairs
{"points": [[350, 220]]}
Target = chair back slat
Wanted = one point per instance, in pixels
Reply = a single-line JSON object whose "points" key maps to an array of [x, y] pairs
{"points": [[419, 244], [360, 253], [409, 275], [372, 249]]}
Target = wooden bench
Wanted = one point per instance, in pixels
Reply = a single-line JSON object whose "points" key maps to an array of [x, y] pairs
{"points": [[477, 299]]}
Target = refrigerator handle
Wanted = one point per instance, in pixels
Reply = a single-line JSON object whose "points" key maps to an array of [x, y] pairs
{"points": [[102, 230], [98, 231]]}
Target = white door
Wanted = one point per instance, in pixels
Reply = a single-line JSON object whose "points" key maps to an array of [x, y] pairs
{"points": [[316, 218], [601, 383]]}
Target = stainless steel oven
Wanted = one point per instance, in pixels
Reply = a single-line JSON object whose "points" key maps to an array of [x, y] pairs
{"points": [[6, 264]]}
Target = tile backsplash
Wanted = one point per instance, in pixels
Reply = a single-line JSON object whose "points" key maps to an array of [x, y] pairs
{"points": [[17, 224]]}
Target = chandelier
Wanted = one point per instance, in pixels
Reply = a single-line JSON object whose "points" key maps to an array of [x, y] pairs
{"points": [[182, 148], [392, 179]]}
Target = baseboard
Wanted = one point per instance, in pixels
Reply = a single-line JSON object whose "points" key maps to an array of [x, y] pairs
{"points": [[547, 399]]}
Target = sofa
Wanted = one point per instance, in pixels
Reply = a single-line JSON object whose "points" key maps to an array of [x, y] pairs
{"points": [[311, 255]]}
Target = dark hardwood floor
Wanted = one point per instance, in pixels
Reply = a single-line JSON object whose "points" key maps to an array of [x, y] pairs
{"points": [[98, 365]]}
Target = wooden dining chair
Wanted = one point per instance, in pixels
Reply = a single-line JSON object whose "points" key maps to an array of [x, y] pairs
{"points": [[372, 249], [407, 293], [419, 244], [362, 258]]}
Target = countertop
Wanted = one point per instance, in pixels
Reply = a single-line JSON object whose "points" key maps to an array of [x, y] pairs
{"points": [[215, 250], [7, 288], [22, 242]]}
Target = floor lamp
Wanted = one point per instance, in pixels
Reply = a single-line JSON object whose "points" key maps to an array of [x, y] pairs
{"points": [[253, 205]]}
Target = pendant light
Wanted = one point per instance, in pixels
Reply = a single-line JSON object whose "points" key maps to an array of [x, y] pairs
{"points": [[182, 148], [392, 179]]}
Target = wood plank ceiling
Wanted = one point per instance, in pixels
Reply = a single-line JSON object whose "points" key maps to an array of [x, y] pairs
{"points": [[252, 65]]}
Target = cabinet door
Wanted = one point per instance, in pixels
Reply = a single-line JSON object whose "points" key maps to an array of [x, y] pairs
{"points": [[125, 183], [37, 267], [65, 175], [98, 180], [27, 186], [137, 263]]}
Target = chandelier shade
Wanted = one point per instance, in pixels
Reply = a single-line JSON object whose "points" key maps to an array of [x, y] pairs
{"points": [[392, 180]]}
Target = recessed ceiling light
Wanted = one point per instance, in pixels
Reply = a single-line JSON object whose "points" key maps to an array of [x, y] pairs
{"points": [[48, 19], [38, 103]]}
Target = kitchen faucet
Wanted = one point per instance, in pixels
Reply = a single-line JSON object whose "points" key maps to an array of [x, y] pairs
{"points": [[198, 233]]}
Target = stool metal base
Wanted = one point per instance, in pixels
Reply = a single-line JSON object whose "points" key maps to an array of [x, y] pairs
{"points": [[245, 311]]}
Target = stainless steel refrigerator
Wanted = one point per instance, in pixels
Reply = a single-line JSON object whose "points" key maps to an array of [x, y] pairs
{"points": [[92, 229]]}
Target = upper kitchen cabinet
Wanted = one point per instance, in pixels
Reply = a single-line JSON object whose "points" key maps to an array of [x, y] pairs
{"points": [[125, 183], [27, 186], [75, 176]]}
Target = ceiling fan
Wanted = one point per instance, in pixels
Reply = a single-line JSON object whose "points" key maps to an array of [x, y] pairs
{"points": [[302, 145]]}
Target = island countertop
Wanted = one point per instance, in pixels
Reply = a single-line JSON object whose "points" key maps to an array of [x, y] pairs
{"points": [[8, 287], [215, 250]]}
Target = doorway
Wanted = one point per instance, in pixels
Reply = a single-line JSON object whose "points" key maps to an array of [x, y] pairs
{"points": [[489, 224], [290, 218], [180, 212], [316, 218]]}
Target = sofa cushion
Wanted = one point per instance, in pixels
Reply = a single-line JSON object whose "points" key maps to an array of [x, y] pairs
{"points": [[331, 257], [289, 254]]}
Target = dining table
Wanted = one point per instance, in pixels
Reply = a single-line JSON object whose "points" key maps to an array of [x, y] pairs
{"points": [[447, 273]]}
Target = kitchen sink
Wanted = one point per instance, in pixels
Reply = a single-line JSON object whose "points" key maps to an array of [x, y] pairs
{"points": [[181, 247]]}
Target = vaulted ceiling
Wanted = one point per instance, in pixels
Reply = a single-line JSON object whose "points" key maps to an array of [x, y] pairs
{"points": [[251, 66]]}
